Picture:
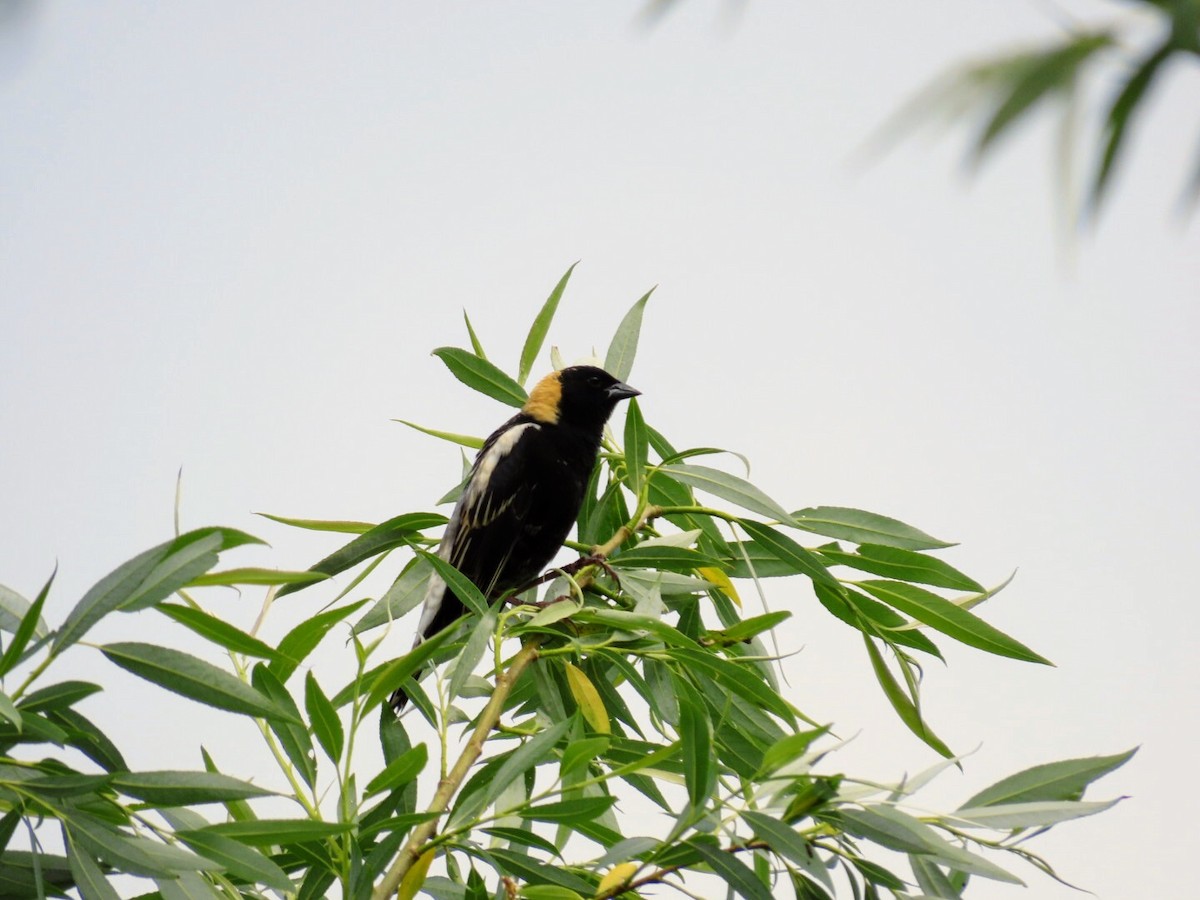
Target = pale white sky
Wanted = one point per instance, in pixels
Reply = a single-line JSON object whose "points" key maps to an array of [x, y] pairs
{"points": [[229, 242]]}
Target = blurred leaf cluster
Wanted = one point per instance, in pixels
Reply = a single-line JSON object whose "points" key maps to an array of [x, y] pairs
{"points": [[1102, 77], [616, 729]]}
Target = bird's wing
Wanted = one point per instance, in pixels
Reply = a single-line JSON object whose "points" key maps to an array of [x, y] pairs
{"points": [[479, 536]]}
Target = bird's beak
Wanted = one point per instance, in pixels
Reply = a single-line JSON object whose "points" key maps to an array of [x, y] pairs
{"points": [[622, 391]]}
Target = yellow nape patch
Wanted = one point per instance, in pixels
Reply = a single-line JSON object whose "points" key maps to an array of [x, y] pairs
{"points": [[543, 400]]}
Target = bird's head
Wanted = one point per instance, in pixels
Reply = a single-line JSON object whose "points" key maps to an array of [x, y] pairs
{"points": [[583, 396]]}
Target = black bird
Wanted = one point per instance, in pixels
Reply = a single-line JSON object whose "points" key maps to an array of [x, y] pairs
{"points": [[524, 491]]}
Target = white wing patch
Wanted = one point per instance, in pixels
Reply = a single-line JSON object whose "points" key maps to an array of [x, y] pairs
{"points": [[469, 514]]}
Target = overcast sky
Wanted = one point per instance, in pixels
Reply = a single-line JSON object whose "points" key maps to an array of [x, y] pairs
{"points": [[229, 242]]}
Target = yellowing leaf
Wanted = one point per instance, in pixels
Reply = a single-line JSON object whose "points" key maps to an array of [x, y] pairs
{"points": [[617, 876], [713, 575], [414, 878], [588, 698]]}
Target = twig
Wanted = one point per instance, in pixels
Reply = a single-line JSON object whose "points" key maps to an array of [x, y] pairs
{"points": [[449, 785]]}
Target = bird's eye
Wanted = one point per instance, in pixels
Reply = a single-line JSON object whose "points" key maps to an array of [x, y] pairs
{"points": [[594, 381]]}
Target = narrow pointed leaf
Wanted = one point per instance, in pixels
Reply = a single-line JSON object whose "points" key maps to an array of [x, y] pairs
{"points": [[1062, 780], [254, 575], [1040, 814], [218, 631], [901, 703], [174, 788], [785, 549], [326, 724], [733, 488], [462, 586], [864, 528], [588, 699], [535, 750], [394, 532], [618, 362], [636, 446], [736, 874], [298, 643], [406, 593], [541, 325], [149, 578], [194, 678], [903, 565], [464, 440], [950, 619], [31, 623], [476, 346], [482, 376], [338, 526], [696, 740], [399, 772], [238, 859]]}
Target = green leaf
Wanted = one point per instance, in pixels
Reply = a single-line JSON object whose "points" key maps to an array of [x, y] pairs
{"points": [[324, 718], [569, 812], [56, 696], [618, 362], [787, 550], [1062, 780], [738, 678], [1116, 124], [901, 703], [464, 440], [149, 578], [89, 879], [175, 788], [14, 607], [340, 526], [459, 583], [783, 839], [272, 832], [528, 869], [136, 855], [537, 749], [696, 740], [406, 594], [736, 874], [194, 678], [85, 736], [31, 623], [218, 631], [1040, 814], [478, 641], [482, 376], [400, 771], [304, 638], [395, 532], [673, 559], [950, 619], [238, 859], [541, 324], [788, 749], [255, 575], [747, 629], [735, 489], [476, 346], [382, 681], [1028, 78], [293, 735], [637, 446], [864, 528], [903, 565], [852, 607], [579, 754]]}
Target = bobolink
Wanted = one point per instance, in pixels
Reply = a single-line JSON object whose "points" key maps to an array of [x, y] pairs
{"points": [[524, 491]]}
